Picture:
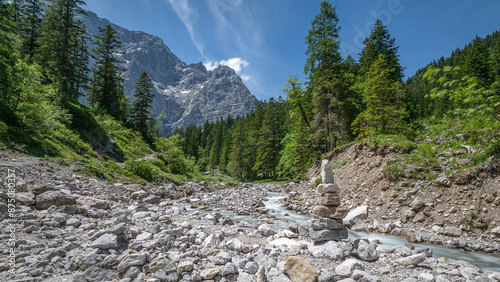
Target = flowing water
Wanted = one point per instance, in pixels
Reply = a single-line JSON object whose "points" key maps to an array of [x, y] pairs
{"points": [[285, 217], [485, 261]]}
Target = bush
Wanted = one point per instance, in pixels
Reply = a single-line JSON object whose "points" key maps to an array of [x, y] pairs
{"points": [[146, 169]]}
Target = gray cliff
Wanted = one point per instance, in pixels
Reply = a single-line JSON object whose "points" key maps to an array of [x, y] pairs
{"points": [[184, 94]]}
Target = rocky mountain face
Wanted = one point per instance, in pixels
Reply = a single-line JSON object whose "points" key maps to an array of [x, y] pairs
{"points": [[184, 94]]}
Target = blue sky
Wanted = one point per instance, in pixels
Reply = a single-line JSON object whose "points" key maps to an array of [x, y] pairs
{"points": [[263, 40]]}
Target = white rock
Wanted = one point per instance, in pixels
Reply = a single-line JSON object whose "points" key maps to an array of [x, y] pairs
{"points": [[346, 268], [356, 215], [426, 277], [326, 172], [106, 241], [411, 260]]}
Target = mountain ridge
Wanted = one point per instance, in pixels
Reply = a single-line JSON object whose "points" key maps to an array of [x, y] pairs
{"points": [[184, 94]]}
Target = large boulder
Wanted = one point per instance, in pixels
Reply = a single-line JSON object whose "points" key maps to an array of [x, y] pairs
{"points": [[51, 198], [93, 202], [300, 271], [106, 241], [356, 215], [331, 250], [412, 260], [452, 231], [25, 198], [131, 260], [346, 268], [366, 251]]}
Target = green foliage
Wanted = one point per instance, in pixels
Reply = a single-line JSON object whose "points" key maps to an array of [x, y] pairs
{"points": [[61, 49], [106, 85], [30, 27], [269, 144], [385, 109], [470, 99], [169, 150], [141, 114], [380, 43], [128, 143], [84, 123], [323, 41], [477, 62]]}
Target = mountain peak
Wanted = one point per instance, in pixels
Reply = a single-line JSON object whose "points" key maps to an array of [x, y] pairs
{"points": [[184, 94]]}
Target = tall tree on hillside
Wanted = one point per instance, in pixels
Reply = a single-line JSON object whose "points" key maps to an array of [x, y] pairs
{"points": [[327, 82], [496, 59], [385, 109], [380, 42], [215, 150], [106, 86], [269, 144], [7, 60], [236, 165], [298, 146], [57, 47], [323, 41], [141, 114], [31, 27], [477, 61]]}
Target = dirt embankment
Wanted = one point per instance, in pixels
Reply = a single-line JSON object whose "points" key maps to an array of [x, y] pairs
{"points": [[468, 201]]}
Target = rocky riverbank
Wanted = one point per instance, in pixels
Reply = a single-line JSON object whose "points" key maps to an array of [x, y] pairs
{"points": [[73, 228]]}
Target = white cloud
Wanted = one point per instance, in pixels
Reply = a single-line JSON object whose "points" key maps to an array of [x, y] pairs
{"points": [[245, 77], [219, 8], [237, 64], [188, 15]]}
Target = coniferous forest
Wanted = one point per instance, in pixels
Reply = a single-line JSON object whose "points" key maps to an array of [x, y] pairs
{"points": [[45, 73], [345, 100]]}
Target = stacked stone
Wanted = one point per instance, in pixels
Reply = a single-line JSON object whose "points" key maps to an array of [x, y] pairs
{"points": [[327, 223]]}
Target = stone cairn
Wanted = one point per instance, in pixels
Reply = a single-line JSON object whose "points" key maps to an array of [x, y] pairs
{"points": [[327, 223]]}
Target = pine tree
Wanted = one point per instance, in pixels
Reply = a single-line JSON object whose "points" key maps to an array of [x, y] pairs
{"points": [[60, 30], [385, 110], [215, 150], [31, 27], [327, 82], [106, 86], [477, 61], [271, 132], [323, 41], [380, 42], [236, 165], [141, 110], [298, 146], [8, 96], [496, 59]]}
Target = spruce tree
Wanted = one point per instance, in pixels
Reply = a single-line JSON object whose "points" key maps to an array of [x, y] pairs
{"points": [[327, 82], [7, 59], [298, 146], [58, 43], [269, 144], [385, 109], [141, 111], [31, 27], [106, 85], [496, 58], [236, 165], [380, 42], [477, 61], [323, 41]]}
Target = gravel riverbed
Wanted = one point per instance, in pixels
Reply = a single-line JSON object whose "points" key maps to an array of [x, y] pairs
{"points": [[68, 227]]}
